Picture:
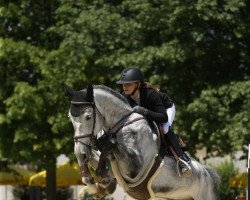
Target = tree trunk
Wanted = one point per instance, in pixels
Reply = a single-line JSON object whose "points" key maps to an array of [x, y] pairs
{"points": [[51, 181]]}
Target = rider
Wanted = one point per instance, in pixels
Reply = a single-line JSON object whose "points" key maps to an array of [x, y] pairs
{"points": [[154, 105]]}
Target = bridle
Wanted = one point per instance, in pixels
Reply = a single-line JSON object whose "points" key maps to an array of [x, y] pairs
{"points": [[84, 167], [112, 130], [91, 135]]}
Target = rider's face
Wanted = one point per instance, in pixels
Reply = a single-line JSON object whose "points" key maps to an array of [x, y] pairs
{"points": [[128, 88]]}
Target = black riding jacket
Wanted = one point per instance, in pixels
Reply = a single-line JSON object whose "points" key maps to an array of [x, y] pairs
{"points": [[155, 102]]}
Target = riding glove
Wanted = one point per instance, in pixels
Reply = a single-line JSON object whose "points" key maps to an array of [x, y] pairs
{"points": [[140, 110], [150, 114]]}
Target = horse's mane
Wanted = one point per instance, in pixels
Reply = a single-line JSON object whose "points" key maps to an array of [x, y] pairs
{"points": [[113, 92]]}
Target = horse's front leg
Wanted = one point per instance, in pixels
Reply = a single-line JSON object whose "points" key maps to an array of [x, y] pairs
{"points": [[84, 155], [96, 185], [93, 187]]}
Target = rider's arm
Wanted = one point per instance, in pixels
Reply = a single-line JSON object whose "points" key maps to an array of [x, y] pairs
{"points": [[154, 105]]}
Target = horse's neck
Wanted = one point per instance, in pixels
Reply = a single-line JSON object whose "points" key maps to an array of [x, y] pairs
{"points": [[137, 148], [136, 145], [110, 107]]}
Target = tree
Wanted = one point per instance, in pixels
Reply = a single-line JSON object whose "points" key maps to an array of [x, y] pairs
{"points": [[28, 21], [29, 113], [183, 47], [219, 119], [26, 119]]}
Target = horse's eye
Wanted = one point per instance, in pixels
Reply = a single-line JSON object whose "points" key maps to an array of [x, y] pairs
{"points": [[88, 117]]}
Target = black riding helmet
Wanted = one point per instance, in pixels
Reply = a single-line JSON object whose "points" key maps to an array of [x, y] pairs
{"points": [[130, 75]]}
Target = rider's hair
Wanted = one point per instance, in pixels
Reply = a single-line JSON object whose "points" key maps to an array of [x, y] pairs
{"points": [[148, 85]]}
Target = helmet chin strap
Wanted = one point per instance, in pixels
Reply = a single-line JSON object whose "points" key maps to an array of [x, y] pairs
{"points": [[134, 91]]}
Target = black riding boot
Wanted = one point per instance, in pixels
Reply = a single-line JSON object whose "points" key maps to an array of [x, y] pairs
{"points": [[182, 163]]}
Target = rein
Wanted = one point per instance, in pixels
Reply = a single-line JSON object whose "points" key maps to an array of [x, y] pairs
{"points": [[127, 123], [91, 135], [84, 168], [92, 104]]}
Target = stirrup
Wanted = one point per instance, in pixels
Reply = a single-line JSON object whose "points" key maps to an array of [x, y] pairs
{"points": [[187, 158], [188, 172]]}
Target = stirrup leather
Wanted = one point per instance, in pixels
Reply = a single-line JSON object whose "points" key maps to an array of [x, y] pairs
{"points": [[178, 166]]}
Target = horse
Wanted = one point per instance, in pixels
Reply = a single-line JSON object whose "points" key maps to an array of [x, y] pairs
{"points": [[98, 108]]}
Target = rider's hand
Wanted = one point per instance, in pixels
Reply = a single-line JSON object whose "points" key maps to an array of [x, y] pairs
{"points": [[140, 110]]}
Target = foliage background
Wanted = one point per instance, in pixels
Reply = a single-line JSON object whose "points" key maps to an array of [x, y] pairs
{"points": [[197, 50], [227, 170]]}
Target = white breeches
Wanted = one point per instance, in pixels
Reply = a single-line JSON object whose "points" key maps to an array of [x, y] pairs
{"points": [[171, 114]]}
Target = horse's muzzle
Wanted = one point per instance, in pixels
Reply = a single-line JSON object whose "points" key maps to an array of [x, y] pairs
{"points": [[82, 153]]}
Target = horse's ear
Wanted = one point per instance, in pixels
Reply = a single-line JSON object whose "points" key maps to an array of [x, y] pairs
{"points": [[69, 91], [90, 93]]}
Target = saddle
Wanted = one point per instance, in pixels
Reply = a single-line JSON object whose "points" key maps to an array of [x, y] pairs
{"points": [[167, 147]]}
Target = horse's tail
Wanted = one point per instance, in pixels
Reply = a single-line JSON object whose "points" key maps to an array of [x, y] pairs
{"points": [[215, 181]]}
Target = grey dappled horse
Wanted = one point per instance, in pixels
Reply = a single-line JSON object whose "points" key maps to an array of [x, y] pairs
{"points": [[99, 108]]}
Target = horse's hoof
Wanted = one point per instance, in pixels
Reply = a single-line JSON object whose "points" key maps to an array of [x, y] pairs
{"points": [[111, 187], [100, 192]]}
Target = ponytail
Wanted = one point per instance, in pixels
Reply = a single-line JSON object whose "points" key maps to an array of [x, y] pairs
{"points": [[148, 85]]}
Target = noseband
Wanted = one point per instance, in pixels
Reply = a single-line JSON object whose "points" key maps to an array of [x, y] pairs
{"points": [[76, 138]]}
